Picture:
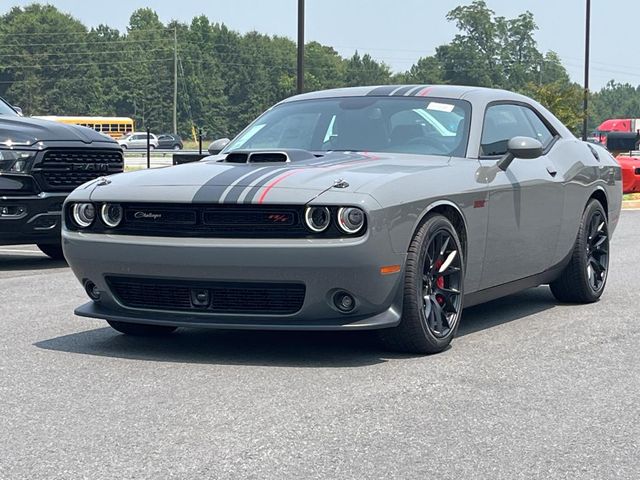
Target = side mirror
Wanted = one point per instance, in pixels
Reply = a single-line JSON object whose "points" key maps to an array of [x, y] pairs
{"points": [[216, 146], [520, 147], [18, 110]]}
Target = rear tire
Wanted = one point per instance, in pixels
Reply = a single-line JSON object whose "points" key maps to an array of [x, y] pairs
{"points": [[52, 250], [433, 290], [141, 330], [583, 280]]}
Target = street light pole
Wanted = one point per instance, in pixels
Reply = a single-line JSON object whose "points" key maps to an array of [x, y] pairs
{"points": [[587, 40], [300, 74]]}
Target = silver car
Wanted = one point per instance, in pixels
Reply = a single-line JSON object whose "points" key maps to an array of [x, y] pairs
{"points": [[386, 208], [138, 141]]}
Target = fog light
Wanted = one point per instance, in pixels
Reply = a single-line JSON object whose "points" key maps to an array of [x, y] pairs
{"points": [[92, 290], [344, 302]]}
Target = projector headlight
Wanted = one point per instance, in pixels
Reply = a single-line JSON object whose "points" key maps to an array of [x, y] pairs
{"points": [[317, 218], [83, 214], [111, 214], [350, 219]]}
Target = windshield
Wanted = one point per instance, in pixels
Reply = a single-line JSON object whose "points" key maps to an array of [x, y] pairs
{"points": [[5, 109], [426, 126]]}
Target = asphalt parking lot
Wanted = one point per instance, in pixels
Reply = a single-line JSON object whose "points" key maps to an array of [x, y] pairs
{"points": [[530, 389]]}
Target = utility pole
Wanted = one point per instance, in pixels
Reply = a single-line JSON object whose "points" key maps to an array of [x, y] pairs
{"points": [[300, 75], [175, 81], [587, 40]]}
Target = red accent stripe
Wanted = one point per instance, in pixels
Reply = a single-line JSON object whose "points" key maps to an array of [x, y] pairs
{"points": [[276, 181], [424, 92]]}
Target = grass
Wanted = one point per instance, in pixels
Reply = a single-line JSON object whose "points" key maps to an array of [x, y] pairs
{"points": [[632, 196]]}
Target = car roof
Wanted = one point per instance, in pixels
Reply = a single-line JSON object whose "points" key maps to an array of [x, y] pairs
{"points": [[442, 91]]}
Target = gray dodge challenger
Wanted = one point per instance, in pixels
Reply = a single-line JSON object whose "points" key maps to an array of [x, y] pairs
{"points": [[388, 208]]}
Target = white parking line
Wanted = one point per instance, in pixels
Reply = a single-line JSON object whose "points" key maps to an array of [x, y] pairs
{"points": [[14, 250]]}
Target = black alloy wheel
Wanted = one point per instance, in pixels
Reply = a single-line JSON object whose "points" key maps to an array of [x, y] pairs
{"points": [[441, 280], [433, 290], [597, 251], [584, 278]]}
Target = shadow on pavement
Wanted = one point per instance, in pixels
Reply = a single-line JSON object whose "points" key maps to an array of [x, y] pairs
{"points": [[16, 262], [291, 349], [505, 310], [238, 347]]}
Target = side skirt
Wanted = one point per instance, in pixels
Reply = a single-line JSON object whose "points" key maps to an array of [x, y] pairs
{"points": [[492, 293]]}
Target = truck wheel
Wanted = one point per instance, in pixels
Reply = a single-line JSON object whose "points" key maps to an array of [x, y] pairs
{"points": [[141, 330], [52, 250]]}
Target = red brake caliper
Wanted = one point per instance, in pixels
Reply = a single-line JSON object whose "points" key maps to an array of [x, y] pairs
{"points": [[439, 282]]}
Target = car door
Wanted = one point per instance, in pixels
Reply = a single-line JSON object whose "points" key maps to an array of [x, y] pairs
{"points": [[137, 141], [525, 201]]}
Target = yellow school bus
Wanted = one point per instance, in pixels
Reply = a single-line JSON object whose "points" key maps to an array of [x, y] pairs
{"points": [[115, 127]]}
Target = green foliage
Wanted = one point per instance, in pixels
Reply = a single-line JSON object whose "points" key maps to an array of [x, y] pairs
{"points": [[51, 64], [564, 99]]}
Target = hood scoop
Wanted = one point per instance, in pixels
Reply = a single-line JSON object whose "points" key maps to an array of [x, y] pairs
{"points": [[268, 156]]}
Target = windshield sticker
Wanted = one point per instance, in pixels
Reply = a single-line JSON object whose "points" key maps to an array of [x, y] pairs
{"points": [[440, 107]]}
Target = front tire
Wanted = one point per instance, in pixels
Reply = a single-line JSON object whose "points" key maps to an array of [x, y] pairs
{"points": [[433, 290], [584, 278], [52, 250], [141, 330]]}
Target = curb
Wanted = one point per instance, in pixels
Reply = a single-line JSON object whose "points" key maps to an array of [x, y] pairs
{"points": [[631, 205]]}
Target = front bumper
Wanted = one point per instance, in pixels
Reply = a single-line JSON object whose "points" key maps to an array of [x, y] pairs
{"points": [[31, 218], [323, 266]]}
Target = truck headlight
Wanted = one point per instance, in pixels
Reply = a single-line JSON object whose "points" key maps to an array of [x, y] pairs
{"points": [[15, 161], [83, 214]]}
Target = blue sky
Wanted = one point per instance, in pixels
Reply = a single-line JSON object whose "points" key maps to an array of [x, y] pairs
{"points": [[398, 32]]}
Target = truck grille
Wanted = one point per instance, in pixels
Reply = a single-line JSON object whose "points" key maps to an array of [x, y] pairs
{"points": [[64, 170], [222, 297]]}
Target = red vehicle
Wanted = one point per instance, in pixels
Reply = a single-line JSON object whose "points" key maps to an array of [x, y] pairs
{"points": [[630, 172]]}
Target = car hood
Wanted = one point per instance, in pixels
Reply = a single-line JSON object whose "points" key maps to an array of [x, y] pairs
{"points": [[28, 131], [214, 181]]}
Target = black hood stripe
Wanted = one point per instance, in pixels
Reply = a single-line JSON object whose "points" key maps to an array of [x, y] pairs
{"points": [[236, 190], [256, 188], [403, 90], [382, 91], [210, 191]]}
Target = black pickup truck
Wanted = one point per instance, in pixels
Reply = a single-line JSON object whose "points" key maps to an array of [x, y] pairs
{"points": [[40, 163]]}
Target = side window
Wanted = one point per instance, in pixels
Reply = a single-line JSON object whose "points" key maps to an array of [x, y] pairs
{"points": [[542, 132], [503, 122]]}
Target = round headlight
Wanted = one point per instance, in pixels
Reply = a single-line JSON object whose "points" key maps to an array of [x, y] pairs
{"points": [[111, 214], [83, 214], [317, 218], [350, 219]]}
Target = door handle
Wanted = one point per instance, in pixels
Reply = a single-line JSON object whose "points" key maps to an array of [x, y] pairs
{"points": [[552, 171]]}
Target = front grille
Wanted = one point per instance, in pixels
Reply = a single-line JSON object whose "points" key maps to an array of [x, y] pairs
{"points": [[224, 297], [199, 220], [64, 170]]}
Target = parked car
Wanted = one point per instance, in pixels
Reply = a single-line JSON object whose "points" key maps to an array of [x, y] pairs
{"points": [[40, 163], [169, 141], [630, 164], [138, 141], [353, 209]]}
